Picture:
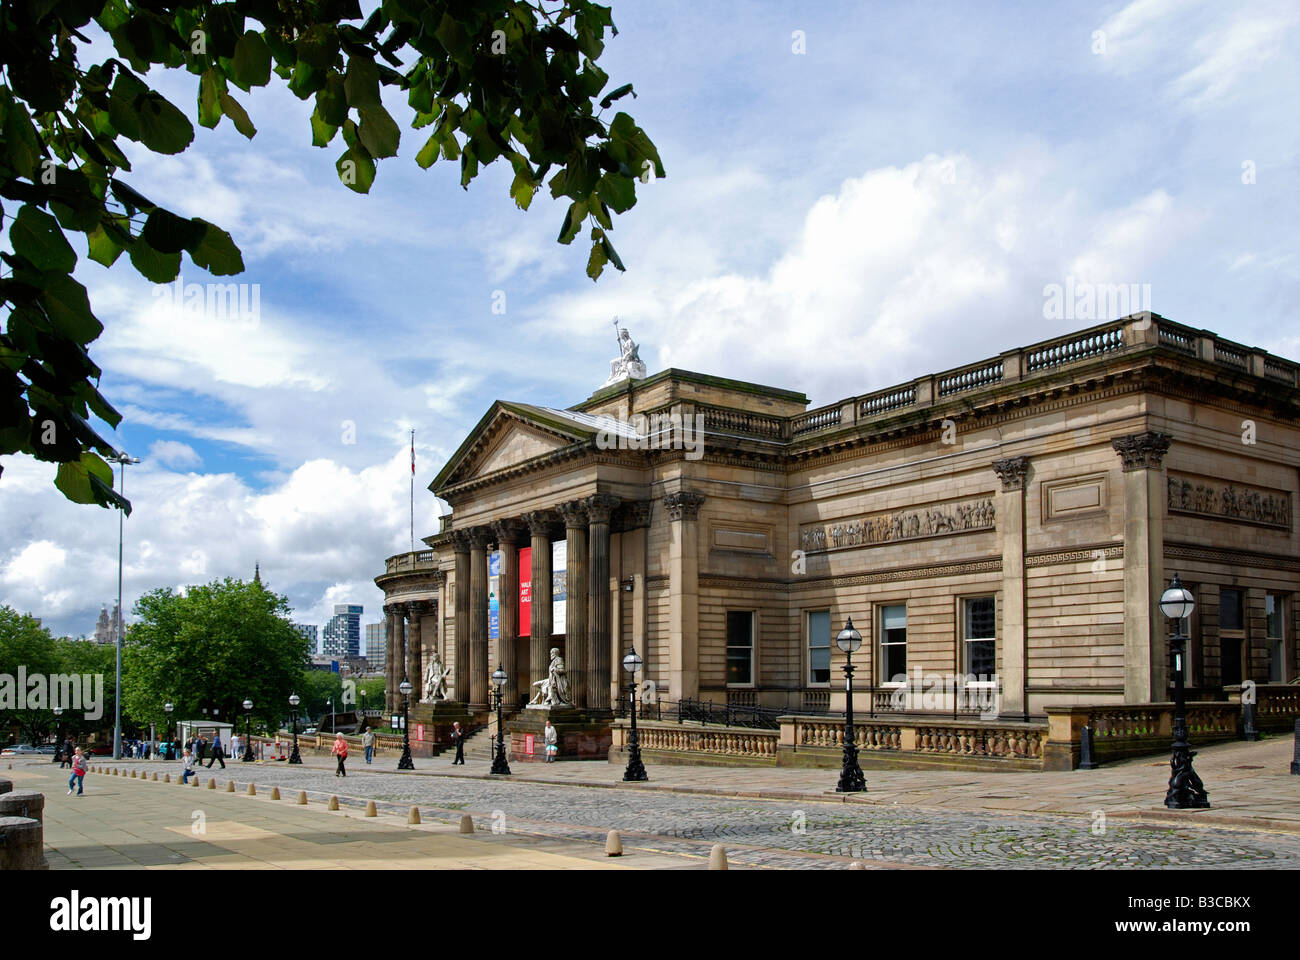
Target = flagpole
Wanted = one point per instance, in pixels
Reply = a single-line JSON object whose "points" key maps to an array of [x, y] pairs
{"points": [[413, 491]]}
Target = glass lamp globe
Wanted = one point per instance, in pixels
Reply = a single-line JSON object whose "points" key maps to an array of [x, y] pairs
{"points": [[248, 704], [293, 700], [499, 677], [848, 639], [1177, 602], [405, 687], [632, 663]]}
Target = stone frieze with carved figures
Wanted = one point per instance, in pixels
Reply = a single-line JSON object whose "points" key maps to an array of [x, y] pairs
{"points": [[890, 527], [1229, 501]]}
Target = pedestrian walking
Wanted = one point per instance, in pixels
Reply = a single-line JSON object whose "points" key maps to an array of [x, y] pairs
{"points": [[188, 770], [552, 742], [340, 750], [236, 746], [217, 755], [78, 772], [368, 741], [458, 738], [201, 748], [68, 752]]}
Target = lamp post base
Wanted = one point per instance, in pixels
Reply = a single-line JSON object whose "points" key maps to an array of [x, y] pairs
{"points": [[500, 765], [851, 777], [635, 772], [406, 763], [1186, 792], [295, 757]]}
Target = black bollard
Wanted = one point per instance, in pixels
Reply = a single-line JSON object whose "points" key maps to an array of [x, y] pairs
{"points": [[1248, 733], [1086, 762], [1295, 763]]}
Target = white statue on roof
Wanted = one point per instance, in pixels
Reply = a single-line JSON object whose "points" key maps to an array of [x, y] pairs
{"points": [[628, 366]]}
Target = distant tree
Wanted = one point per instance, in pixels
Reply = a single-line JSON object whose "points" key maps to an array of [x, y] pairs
{"points": [[511, 80], [27, 647], [212, 647]]}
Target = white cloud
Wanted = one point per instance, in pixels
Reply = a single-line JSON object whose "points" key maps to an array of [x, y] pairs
{"points": [[173, 453]]}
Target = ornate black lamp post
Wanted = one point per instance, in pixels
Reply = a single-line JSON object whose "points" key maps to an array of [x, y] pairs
{"points": [[294, 757], [405, 763], [500, 763], [851, 778], [635, 772], [168, 707], [58, 735], [248, 732], [1185, 788]]}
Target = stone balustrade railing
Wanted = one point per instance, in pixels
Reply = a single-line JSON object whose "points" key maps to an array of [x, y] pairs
{"points": [[1277, 705], [404, 562], [733, 742], [1132, 729]]}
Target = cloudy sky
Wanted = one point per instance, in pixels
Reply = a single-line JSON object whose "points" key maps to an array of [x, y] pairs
{"points": [[857, 194]]}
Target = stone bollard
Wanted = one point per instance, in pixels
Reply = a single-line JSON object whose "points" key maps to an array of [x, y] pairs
{"points": [[333, 804], [22, 844], [230, 786], [718, 857], [252, 790], [370, 809], [1295, 763], [167, 778], [195, 781], [413, 815], [275, 793], [132, 774], [302, 797], [466, 823], [29, 804], [154, 778], [613, 844], [212, 783]]}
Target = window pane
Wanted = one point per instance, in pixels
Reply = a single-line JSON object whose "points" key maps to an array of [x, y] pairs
{"points": [[819, 628], [740, 646], [893, 618], [893, 662], [740, 628], [819, 666], [981, 618], [739, 661], [1273, 616], [981, 658], [819, 646], [1230, 614]]}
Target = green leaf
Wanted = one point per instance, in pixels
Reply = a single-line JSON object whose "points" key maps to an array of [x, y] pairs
{"points": [[361, 85], [89, 480], [455, 40], [573, 218], [36, 235], [321, 132], [168, 233], [332, 101], [104, 248], [154, 266], [130, 199], [522, 190], [356, 170], [429, 152], [379, 133], [318, 46], [596, 262], [22, 148], [68, 307], [210, 87], [617, 192], [236, 114], [163, 128], [216, 251], [251, 64]]}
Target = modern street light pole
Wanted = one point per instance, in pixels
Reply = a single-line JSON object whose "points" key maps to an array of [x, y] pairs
{"points": [[58, 735], [405, 763], [294, 757], [851, 778], [122, 460], [248, 732], [168, 707], [500, 763], [635, 772], [1186, 792]]}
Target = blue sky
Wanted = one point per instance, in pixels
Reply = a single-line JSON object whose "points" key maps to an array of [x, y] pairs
{"points": [[889, 202]]}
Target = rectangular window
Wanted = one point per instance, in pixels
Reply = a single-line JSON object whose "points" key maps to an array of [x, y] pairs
{"points": [[1232, 630], [740, 647], [893, 644], [1274, 618], [819, 648], [1231, 616], [979, 637]]}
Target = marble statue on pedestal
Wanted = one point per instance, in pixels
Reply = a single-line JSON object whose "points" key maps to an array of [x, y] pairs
{"points": [[628, 365], [435, 680]]}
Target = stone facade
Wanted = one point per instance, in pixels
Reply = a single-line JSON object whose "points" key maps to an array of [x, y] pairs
{"points": [[1022, 513]]}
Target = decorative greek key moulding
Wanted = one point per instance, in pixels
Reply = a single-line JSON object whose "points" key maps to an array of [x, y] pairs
{"points": [[684, 505], [1012, 471], [1226, 501], [880, 528], [1142, 451]]}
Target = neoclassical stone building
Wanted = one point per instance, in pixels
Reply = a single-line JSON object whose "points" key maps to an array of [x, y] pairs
{"points": [[1011, 523]]}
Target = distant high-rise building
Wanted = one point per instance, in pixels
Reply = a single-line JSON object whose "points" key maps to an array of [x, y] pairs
{"points": [[310, 631], [377, 645], [342, 635]]}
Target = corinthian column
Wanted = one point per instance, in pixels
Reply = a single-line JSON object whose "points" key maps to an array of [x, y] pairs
{"points": [[599, 509], [508, 533], [575, 626], [1010, 518], [395, 655], [539, 659], [683, 509], [414, 648], [1145, 674], [460, 669], [478, 617]]}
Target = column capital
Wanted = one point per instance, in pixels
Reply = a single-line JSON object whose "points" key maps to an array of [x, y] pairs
{"points": [[574, 513], [480, 536], [397, 609], [460, 541], [539, 522], [1142, 451], [683, 505], [632, 515], [601, 506], [508, 530], [418, 608], [1012, 471]]}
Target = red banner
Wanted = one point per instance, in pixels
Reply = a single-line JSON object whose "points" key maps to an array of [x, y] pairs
{"points": [[525, 591]]}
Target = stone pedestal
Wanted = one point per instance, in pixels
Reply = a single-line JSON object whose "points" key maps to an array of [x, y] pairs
{"points": [[581, 734], [438, 719]]}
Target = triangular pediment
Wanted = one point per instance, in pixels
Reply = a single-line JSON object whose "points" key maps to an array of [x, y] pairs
{"points": [[511, 434]]}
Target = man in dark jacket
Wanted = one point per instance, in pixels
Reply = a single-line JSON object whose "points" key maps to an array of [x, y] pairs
{"points": [[458, 738], [217, 753]]}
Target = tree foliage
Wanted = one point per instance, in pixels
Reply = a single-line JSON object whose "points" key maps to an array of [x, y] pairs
{"points": [[212, 648], [514, 81]]}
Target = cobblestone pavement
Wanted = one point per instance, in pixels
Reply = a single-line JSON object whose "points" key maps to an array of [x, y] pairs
{"points": [[798, 833]]}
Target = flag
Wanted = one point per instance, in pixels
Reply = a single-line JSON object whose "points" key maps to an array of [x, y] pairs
{"points": [[412, 453]]}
